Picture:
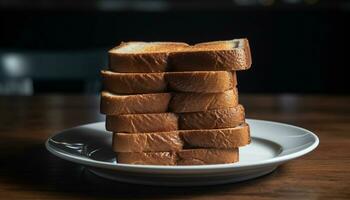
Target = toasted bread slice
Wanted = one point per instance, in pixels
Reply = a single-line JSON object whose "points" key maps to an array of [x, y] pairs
{"points": [[144, 142], [226, 138], [212, 119], [183, 157], [112, 104], [147, 158], [133, 83], [142, 56], [201, 81], [207, 156], [163, 122], [231, 55], [175, 140], [200, 102], [143, 83], [142, 123]]}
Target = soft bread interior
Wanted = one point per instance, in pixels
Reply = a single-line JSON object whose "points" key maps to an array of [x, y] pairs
{"points": [[111, 95], [164, 47], [148, 47], [106, 94], [219, 45], [108, 73]]}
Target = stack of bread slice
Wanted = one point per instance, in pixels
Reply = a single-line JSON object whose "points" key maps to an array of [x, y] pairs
{"points": [[172, 103]]}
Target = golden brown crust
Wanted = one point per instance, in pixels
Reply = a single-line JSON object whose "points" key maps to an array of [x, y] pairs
{"points": [[144, 142], [146, 59], [248, 55], [184, 157], [200, 102], [133, 83], [150, 158], [131, 104], [201, 81], [212, 60], [155, 62], [181, 57], [212, 119], [162, 122], [227, 138], [142, 123], [234, 60], [198, 82], [207, 156]]}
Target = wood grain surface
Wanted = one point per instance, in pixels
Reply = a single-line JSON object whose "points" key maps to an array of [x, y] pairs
{"points": [[29, 171]]}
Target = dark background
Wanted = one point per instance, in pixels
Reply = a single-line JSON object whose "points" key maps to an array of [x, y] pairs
{"points": [[297, 46]]}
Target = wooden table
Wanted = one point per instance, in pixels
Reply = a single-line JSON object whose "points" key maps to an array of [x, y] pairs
{"points": [[28, 171]]}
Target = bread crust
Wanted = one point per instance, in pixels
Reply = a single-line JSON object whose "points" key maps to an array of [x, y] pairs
{"points": [[142, 61], [182, 57], [142, 123], [162, 122], [147, 158], [131, 104], [183, 157], [212, 119], [177, 140], [201, 81], [212, 60], [207, 156], [200, 102], [227, 138], [133, 83], [144, 83], [145, 142], [155, 62]]}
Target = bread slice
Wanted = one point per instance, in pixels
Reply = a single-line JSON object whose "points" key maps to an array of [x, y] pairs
{"points": [[231, 55], [140, 83], [112, 104], [197, 102], [163, 122], [175, 140], [142, 123], [201, 81], [143, 142], [133, 83], [142, 56], [147, 158], [207, 156], [183, 157], [227, 138], [212, 119]]}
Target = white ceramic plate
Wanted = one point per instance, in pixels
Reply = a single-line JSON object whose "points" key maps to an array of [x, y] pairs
{"points": [[272, 144]]}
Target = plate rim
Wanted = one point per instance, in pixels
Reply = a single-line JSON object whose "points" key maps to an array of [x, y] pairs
{"points": [[130, 167]]}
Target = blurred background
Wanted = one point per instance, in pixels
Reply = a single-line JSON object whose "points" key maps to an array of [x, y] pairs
{"points": [[59, 46]]}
